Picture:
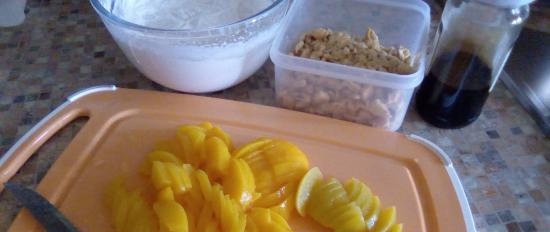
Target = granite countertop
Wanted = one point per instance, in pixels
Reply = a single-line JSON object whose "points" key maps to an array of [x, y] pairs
{"points": [[502, 159]]}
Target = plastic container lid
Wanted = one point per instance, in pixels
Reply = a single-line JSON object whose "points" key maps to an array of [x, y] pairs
{"points": [[507, 3]]}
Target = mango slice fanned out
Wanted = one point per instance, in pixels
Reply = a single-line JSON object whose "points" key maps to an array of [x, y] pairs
{"points": [[217, 157], [312, 178], [191, 139], [219, 133], [253, 146], [159, 155], [372, 213], [266, 220], [274, 163], [228, 211], [209, 208], [164, 174], [171, 215], [385, 220], [359, 193], [199, 182], [329, 205], [239, 182], [350, 207], [129, 210], [396, 228]]}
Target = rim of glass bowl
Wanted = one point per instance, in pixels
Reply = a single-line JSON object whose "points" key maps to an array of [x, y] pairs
{"points": [[96, 4]]}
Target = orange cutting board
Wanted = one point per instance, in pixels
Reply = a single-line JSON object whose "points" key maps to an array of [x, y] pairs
{"points": [[125, 124]]}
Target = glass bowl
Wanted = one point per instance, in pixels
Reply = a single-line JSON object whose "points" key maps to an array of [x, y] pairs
{"points": [[197, 60]]}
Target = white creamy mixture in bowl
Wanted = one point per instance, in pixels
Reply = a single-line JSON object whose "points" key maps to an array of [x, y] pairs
{"points": [[190, 45]]}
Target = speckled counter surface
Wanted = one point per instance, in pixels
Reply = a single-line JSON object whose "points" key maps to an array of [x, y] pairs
{"points": [[502, 159]]}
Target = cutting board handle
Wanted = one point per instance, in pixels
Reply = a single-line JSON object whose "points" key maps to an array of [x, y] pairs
{"points": [[31, 141]]}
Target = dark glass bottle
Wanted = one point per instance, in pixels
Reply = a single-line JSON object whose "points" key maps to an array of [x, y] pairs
{"points": [[476, 39]]}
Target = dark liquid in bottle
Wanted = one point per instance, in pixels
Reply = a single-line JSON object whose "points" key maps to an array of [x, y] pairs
{"points": [[453, 93]]}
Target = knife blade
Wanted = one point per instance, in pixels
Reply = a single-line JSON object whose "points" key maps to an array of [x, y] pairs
{"points": [[43, 211]]}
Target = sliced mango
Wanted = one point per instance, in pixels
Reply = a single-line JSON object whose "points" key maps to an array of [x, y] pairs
{"points": [[373, 211], [266, 220], [168, 174], [172, 216], [203, 184], [359, 193], [308, 181], [251, 147], [386, 219], [217, 157], [239, 182], [129, 208], [219, 133], [396, 228]]}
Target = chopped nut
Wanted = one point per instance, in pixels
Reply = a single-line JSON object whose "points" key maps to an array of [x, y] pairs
{"points": [[379, 109], [371, 39], [320, 33], [342, 48], [366, 93], [321, 97], [348, 100]]}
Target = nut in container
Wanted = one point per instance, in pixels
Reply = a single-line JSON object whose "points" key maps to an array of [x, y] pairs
{"points": [[352, 60]]}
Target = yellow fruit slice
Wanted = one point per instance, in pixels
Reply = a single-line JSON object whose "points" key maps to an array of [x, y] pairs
{"points": [[239, 182], [217, 156], [280, 221], [227, 211], [212, 226], [308, 181], [374, 210], [286, 207], [205, 217], [140, 215], [179, 180], [206, 125], [359, 193], [129, 211], [271, 199], [324, 199], [160, 176], [168, 174], [266, 220], [172, 146], [166, 194], [163, 156], [191, 139], [193, 128], [286, 172], [251, 225], [386, 219], [351, 219], [263, 176], [219, 133], [251, 147], [281, 151], [158, 155], [193, 199], [274, 163], [171, 215], [396, 228], [204, 183], [120, 213]]}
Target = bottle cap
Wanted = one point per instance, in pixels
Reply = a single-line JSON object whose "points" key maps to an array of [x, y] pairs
{"points": [[507, 3]]}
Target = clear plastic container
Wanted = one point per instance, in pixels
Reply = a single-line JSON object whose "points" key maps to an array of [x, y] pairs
{"points": [[360, 95]]}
